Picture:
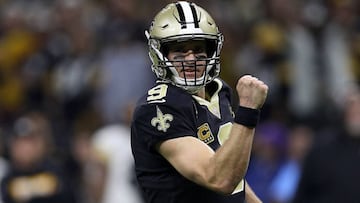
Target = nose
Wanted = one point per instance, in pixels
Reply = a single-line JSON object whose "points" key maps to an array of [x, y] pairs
{"points": [[190, 55]]}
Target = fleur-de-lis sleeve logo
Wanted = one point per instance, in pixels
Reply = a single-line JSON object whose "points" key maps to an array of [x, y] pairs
{"points": [[161, 121]]}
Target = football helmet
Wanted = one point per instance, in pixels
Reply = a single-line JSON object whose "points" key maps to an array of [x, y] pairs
{"points": [[179, 22]]}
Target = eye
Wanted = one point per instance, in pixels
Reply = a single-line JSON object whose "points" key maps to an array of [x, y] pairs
{"points": [[200, 52], [201, 56], [179, 57]]}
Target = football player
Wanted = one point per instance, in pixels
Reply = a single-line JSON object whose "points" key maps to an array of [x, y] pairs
{"points": [[188, 144]]}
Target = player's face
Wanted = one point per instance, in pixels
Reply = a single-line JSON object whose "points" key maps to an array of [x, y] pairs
{"points": [[188, 58]]}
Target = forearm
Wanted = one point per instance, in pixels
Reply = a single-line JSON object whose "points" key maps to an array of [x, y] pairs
{"points": [[250, 195], [231, 161]]}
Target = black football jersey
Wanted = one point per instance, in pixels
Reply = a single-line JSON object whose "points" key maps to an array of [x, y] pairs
{"points": [[168, 112]]}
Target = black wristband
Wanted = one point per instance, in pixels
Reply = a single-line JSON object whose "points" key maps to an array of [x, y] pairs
{"points": [[247, 116]]}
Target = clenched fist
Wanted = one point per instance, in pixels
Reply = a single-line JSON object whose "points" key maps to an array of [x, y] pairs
{"points": [[252, 92]]}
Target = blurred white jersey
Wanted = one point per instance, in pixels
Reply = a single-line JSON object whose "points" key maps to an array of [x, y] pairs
{"points": [[113, 143]]}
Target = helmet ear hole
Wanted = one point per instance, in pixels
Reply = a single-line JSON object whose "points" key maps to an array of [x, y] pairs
{"points": [[162, 73]]}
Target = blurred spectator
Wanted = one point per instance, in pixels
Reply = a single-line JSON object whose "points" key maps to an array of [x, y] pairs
{"points": [[284, 185], [114, 154], [331, 169], [113, 161], [267, 157], [74, 78], [355, 52], [33, 176], [17, 42], [125, 69], [303, 72], [336, 49], [61, 77], [264, 55], [84, 175], [3, 161], [281, 51]]}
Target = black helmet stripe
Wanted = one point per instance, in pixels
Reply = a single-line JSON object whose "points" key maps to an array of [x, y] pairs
{"points": [[196, 22], [181, 15]]}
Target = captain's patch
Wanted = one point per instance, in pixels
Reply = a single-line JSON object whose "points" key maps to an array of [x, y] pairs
{"points": [[204, 133]]}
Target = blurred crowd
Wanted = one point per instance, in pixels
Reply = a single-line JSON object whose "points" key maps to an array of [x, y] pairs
{"points": [[71, 71]]}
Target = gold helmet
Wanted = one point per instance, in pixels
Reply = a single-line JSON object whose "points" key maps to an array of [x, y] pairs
{"points": [[179, 22]]}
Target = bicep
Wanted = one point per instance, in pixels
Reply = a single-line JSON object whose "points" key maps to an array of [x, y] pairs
{"points": [[189, 156]]}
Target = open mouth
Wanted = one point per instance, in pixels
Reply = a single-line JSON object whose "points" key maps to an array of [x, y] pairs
{"points": [[191, 73]]}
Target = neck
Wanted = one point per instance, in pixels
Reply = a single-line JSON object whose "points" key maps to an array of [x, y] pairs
{"points": [[201, 93]]}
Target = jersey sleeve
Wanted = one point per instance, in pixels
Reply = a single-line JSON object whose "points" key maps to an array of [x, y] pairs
{"points": [[154, 123]]}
